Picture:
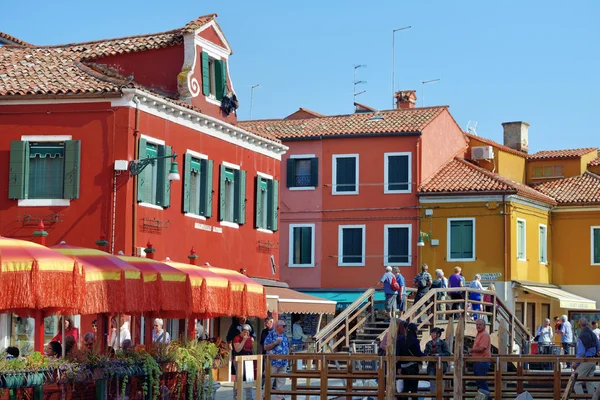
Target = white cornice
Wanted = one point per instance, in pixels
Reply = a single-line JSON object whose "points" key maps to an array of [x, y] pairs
{"points": [[458, 199], [529, 202], [201, 122], [560, 209]]}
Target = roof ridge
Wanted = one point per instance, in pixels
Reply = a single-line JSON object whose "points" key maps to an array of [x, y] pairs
{"points": [[494, 143]]}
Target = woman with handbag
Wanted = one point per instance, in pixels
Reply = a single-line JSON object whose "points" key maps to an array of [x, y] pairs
{"points": [[409, 346]]}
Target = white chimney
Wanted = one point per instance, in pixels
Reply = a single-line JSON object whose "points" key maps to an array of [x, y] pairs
{"points": [[516, 135]]}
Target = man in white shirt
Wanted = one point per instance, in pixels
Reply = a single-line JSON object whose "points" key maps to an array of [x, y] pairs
{"points": [[595, 328]]}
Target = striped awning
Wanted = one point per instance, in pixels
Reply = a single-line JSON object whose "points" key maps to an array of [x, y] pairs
{"points": [[291, 301]]}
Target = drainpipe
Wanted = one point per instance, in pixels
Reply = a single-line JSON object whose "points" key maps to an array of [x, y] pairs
{"points": [[136, 140], [417, 184], [506, 254]]}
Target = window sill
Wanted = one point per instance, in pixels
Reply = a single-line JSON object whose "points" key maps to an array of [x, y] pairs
{"points": [[230, 224], [352, 265], [522, 259], [397, 191], [544, 263], [344, 193], [44, 202], [461, 260], [195, 216], [399, 264], [263, 230], [299, 188], [150, 205], [301, 265], [213, 100]]}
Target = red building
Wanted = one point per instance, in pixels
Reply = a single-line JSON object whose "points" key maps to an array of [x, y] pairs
{"points": [[74, 118], [349, 202]]}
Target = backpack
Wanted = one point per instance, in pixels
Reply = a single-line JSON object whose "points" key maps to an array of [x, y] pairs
{"points": [[421, 281], [394, 284]]}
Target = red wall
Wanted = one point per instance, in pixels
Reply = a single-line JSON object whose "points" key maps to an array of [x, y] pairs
{"points": [[155, 69], [107, 135]]}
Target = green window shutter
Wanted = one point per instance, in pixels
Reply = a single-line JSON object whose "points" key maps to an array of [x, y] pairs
{"points": [[272, 205], [187, 175], [206, 187], [306, 243], [72, 169], [220, 78], [596, 246], [461, 239], [520, 240], [291, 172], [314, 172], [142, 181], [19, 170], [222, 202], [239, 208], [163, 197], [205, 74], [258, 205], [467, 239]]}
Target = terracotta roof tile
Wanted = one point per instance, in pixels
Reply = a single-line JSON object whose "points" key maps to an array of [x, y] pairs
{"points": [[553, 154], [595, 162], [14, 40], [496, 145], [578, 190], [412, 120], [462, 177]]}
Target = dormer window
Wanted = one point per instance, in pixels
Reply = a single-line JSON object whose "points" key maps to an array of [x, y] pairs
{"points": [[214, 77]]}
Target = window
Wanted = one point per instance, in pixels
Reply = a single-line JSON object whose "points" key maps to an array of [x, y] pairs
{"points": [[397, 175], [197, 185], [548, 171], [461, 239], [345, 174], [302, 171], [232, 194], [214, 77], [351, 245], [521, 239], [44, 169], [267, 199], [302, 245], [595, 245], [543, 244], [396, 245], [153, 184]]}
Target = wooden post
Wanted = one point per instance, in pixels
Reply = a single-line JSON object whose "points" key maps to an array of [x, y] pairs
{"points": [[503, 347], [372, 301], [347, 333], [390, 351], [459, 358], [323, 376], [259, 376], [498, 380], [268, 382], [349, 370], [294, 380], [381, 377], [557, 382], [439, 381], [239, 378]]}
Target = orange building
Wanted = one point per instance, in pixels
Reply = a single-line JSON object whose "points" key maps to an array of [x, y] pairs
{"points": [[349, 204]]}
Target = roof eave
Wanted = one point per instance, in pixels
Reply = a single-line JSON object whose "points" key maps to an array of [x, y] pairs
{"points": [[93, 95], [468, 193], [347, 135]]}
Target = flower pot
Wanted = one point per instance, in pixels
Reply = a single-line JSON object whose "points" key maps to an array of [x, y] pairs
{"points": [[14, 380], [34, 379]]}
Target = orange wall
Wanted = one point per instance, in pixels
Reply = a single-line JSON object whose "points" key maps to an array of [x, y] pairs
{"points": [[570, 166]]}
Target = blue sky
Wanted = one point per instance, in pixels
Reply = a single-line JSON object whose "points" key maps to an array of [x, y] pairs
{"points": [[536, 61]]}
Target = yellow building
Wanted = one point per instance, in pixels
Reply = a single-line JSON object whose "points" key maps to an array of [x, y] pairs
{"points": [[479, 213]]}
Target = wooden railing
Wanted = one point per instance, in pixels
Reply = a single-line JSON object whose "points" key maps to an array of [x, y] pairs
{"points": [[367, 375]]}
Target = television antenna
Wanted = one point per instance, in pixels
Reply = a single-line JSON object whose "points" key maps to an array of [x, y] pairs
{"points": [[423, 83], [356, 83], [472, 127]]}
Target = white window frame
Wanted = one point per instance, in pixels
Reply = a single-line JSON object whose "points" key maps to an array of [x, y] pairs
{"points": [[199, 156], [341, 246], [230, 224], [334, 174], [291, 246], [44, 202], [302, 157], [524, 239], [386, 245], [386, 172], [592, 229], [449, 240], [543, 257]]}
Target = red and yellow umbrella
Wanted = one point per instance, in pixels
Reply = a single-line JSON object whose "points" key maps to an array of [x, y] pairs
{"points": [[111, 284], [33, 276], [166, 289], [210, 291], [248, 297]]}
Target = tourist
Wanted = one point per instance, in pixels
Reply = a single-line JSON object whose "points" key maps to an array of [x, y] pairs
{"points": [[436, 347], [422, 282], [277, 343], [488, 298], [391, 301], [481, 348], [53, 349], [243, 344], [409, 346], [12, 352], [263, 336], [159, 335], [298, 335], [474, 296], [89, 339], [544, 337], [566, 336], [588, 346], [95, 327], [70, 345], [401, 296], [70, 330], [235, 329], [455, 281], [440, 282], [595, 328]]}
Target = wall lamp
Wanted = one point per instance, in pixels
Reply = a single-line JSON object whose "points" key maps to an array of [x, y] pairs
{"points": [[137, 166], [422, 236]]}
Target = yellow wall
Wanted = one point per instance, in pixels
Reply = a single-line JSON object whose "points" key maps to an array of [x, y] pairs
{"points": [[572, 248], [531, 269], [505, 164], [586, 159], [570, 166]]}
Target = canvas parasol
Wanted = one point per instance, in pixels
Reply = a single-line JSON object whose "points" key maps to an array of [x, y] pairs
{"points": [[166, 289], [248, 297], [111, 284], [33, 276], [210, 291]]}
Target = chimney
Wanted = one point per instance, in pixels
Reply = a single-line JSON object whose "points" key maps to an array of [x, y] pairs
{"points": [[516, 135], [405, 99]]}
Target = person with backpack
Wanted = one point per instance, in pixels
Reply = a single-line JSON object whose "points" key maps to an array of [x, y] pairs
{"points": [[390, 288], [422, 282], [401, 291]]}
